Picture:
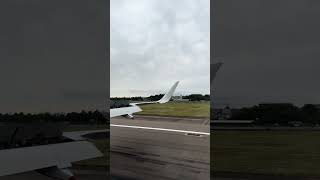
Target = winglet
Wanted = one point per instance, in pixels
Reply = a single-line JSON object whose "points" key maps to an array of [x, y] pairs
{"points": [[166, 98], [214, 69]]}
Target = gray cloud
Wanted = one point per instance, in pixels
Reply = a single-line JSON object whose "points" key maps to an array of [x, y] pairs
{"points": [[155, 43], [270, 49], [49, 48]]}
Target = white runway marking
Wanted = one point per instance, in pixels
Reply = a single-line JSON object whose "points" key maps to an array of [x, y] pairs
{"points": [[159, 129]]}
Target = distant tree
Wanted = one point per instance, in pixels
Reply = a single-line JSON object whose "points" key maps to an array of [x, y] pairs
{"points": [[207, 97], [248, 113], [310, 113], [139, 98], [197, 97], [155, 97], [281, 113]]}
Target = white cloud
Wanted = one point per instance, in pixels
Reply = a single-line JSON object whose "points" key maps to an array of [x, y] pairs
{"points": [[157, 42]]}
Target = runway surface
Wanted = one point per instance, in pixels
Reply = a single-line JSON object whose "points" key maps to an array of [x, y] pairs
{"points": [[79, 174], [89, 173], [144, 153]]}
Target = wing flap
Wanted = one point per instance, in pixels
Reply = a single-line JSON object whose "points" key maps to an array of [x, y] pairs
{"points": [[19, 160], [166, 98], [79, 135], [133, 108], [124, 111]]}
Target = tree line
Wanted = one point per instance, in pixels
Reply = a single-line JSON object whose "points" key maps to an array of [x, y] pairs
{"points": [[96, 117], [138, 98], [281, 114], [197, 97], [191, 97]]}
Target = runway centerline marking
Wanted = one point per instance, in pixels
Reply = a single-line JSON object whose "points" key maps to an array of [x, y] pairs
{"points": [[159, 129]]}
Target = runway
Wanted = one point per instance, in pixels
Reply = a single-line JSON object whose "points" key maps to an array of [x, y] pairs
{"points": [[165, 148], [79, 174]]}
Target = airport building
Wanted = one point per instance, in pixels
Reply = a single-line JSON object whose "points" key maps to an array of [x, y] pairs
{"points": [[22, 134], [232, 123], [118, 103], [179, 99], [221, 112]]}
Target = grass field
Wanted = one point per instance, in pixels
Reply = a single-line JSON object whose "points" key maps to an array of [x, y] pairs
{"points": [[84, 127], [178, 109], [273, 152], [103, 146]]}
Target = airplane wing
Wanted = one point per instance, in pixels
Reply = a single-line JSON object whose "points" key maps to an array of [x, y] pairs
{"points": [[124, 111], [213, 72], [80, 135], [133, 108], [214, 69], [59, 168], [52, 160]]}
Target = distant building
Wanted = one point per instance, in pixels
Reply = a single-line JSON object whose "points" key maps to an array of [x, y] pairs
{"points": [[118, 103], [221, 113], [295, 123], [179, 99], [276, 105], [232, 123], [317, 106]]}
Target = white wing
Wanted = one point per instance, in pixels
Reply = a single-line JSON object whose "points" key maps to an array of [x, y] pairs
{"points": [[19, 160], [124, 111], [214, 69], [133, 108]]}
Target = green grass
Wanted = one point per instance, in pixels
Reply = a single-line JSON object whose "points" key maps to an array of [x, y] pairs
{"points": [[103, 146], [278, 153], [84, 127], [178, 109]]}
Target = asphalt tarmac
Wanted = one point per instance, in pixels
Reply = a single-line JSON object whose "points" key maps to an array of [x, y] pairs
{"points": [[177, 148], [150, 147], [79, 174]]}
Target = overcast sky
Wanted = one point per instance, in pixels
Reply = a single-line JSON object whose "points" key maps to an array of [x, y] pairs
{"points": [[53, 55], [270, 50], [157, 42]]}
